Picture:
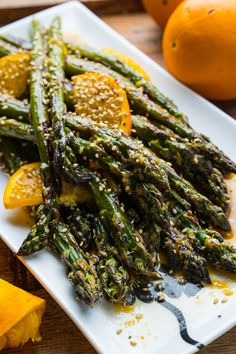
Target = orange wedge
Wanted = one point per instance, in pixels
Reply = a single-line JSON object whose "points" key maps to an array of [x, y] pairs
{"points": [[24, 188], [14, 72], [21, 316], [128, 61], [101, 98]]}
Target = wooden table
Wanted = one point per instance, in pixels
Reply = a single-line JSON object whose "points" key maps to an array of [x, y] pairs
{"points": [[60, 335]]}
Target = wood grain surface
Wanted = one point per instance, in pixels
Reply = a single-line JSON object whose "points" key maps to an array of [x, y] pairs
{"points": [[60, 335], [13, 10]]}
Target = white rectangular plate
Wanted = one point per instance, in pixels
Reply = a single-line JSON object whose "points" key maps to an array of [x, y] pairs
{"points": [[158, 330]]}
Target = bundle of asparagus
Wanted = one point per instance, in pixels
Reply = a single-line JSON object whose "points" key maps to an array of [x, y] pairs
{"points": [[162, 188]]}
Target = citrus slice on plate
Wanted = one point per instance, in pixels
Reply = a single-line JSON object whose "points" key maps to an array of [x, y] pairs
{"points": [[102, 99], [127, 60], [21, 316], [24, 188], [14, 73]]}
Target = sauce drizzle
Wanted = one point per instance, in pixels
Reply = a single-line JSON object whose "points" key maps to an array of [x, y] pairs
{"points": [[182, 324], [174, 288]]}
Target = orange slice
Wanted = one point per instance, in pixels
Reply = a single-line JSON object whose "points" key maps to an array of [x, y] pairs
{"points": [[24, 188], [21, 316], [101, 98], [14, 73], [127, 61]]}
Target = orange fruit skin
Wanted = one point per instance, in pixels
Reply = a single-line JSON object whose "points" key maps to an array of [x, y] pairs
{"points": [[161, 10], [199, 47]]}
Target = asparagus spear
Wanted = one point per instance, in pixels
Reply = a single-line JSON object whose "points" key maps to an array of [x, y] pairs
{"points": [[38, 98], [179, 250], [96, 153], [20, 43], [127, 71], [93, 151], [37, 239], [134, 154], [16, 153], [218, 158], [7, 48], [49, 213], [148, 131], [129, 242], [218, 252], [80, 226], [150, 200], [13, 108], [208, 181], [203, 206], [73, 171], [63, 159], [16, 129], [82, 274], [114, 277], [208, 242], [10, 154], [181, 255], [195, 168], [145, 166], [17, 109], [56, 59], [141, 221]]}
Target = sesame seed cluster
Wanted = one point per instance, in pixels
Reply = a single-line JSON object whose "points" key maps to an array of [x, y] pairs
{"points": [[101, 98]]}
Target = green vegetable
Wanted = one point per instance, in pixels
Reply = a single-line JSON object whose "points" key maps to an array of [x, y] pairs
{"points": [[127, 240]]}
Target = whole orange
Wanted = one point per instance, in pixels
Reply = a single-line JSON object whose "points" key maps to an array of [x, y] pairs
{"points": [[161, 10], [199, 47]]}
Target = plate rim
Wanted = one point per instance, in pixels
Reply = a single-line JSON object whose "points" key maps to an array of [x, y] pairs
{"points": [[227, 324]]}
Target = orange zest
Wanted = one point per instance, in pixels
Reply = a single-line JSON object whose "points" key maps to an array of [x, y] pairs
{"points": [[127, 60], [24, 187], [14, 73], [102, 99]]}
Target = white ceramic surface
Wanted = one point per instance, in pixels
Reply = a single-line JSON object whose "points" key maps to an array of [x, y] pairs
{"points": [[157, 331]]}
